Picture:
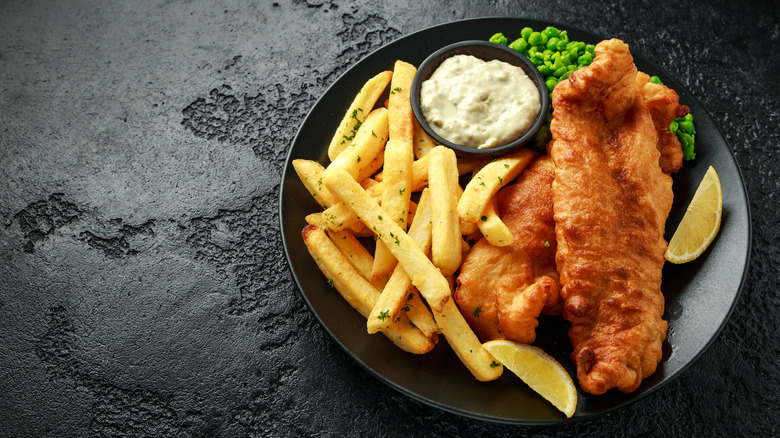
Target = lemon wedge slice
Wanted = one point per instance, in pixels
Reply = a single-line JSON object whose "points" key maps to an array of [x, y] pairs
{"points": [[701, 221], [539, 371]]}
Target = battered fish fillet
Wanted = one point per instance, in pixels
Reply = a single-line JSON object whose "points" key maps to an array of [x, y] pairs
{"points": [[502, 290], [611, 200]]}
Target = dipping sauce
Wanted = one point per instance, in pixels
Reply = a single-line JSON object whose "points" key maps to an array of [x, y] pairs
{"points": [[479, 104]]}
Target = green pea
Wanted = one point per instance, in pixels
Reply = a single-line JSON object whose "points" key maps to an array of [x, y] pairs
{"points": [[559, 72], [590, 48], [687, 147], [552, 43], [565, 76], [519, 44], [673, 127], [572, 67], [687, 127], [551, 32], [686, 139], [655, 80], [551, 83], [498, 38], [536, 39], [526, 32], [557, 61], [584, 60], [560, 45], [564, 35], [545, 70]]}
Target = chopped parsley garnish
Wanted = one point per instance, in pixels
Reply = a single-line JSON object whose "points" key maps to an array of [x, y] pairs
{"points": [[355, 128]]}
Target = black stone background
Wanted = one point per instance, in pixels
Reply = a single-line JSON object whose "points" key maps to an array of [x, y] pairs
{"points": [[143, 286]]}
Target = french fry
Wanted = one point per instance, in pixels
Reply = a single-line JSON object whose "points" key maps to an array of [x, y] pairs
{"points": [[393, 296], [396, 193], [466, 228], [396, 186], [419, 314], [339, 217], [425, 276], [369, 182], [356, 227], [465, 343], [423, 143], [381, 314], [360, 154], [371, 169], [420, 173], [400, 109], [492, 227], [361, 105], [356, 253], [315, 219], [384, 262], [358, 292], [376, 125], [445, 232], [485, 183], [310, 173], [353, 250]]}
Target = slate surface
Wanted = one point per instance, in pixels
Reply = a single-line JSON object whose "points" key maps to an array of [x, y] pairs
{"points": [[143, 286]]}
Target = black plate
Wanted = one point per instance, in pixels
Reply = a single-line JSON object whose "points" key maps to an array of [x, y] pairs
{"points": [[699, 295]]}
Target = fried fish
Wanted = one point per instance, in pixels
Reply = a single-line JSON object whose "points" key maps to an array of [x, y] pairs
{"points": [[611, 198], [503, 289]]}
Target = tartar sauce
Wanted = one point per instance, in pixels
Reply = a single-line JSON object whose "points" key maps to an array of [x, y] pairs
{"points": [[479, 104]]}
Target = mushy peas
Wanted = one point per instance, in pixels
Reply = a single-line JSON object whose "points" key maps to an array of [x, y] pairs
{"points": [[479, 104]]}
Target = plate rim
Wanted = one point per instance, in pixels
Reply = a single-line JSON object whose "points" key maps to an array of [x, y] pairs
{"points": [[483, 417]]}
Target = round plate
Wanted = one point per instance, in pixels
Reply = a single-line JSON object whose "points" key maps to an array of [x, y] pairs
{"points": [[700, 295]]}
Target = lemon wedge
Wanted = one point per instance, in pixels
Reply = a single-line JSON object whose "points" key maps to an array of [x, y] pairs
{"points": [[539, 371], [701, 221]]}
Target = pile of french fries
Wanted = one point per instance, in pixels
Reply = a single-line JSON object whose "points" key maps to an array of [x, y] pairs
{"points": [[405, 288]]}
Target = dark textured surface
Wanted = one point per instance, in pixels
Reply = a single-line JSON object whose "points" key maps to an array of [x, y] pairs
{"points": [[143, 287]]}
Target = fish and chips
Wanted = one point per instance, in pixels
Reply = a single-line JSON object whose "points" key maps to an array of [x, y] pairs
{"points": [[578, 230]]}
